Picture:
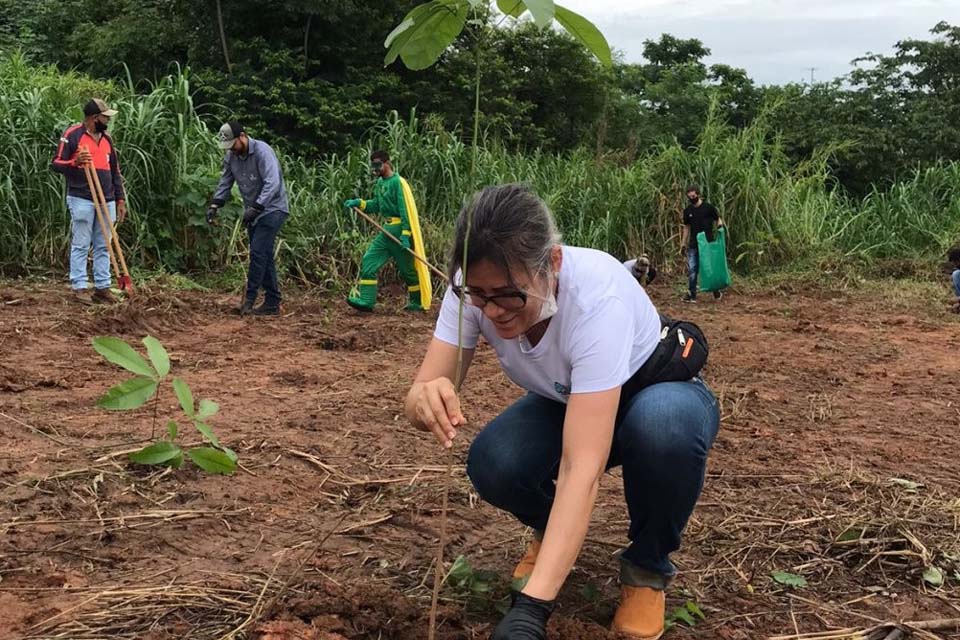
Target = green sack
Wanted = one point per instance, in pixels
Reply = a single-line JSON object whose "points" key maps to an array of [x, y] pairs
{"points": [[714, 274]]}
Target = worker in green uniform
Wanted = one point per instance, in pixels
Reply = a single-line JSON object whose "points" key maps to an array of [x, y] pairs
{"points": [[393, 201]]}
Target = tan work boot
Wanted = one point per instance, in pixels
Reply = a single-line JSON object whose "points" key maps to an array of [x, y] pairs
{"points": [[82, 296], [525, 567], [103, 296], [640, 614]]}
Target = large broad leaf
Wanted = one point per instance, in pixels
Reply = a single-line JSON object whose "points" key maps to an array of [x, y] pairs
{"points": [[129, 394], [120, 353], [435, 26], [512, 8], [156, 453], [184, 395], [207, 433], [207, 409], [586, 33], [212, 460], [158, 355], [543, 11]]}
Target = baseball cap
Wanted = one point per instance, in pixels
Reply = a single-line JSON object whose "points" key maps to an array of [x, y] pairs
{"points": [[229, 132], [98, 106]]}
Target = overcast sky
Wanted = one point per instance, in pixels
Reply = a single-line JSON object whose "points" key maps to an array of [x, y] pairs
{"points": [[776, 41]]}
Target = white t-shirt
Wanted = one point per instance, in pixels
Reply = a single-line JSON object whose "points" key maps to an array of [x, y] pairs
{"points": [[604, 330]]}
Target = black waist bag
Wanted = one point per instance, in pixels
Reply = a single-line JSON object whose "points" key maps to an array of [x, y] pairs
{"points": [[681, 354]]}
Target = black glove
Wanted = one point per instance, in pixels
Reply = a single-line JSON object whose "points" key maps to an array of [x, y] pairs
{"points": [[212, 213], [250, 213], [526, 620]]}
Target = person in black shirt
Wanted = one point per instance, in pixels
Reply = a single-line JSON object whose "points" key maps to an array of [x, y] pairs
{"points": [[698, 216]]}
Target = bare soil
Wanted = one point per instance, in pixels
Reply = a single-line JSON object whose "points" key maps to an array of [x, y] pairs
{"points": [[836, 461]]}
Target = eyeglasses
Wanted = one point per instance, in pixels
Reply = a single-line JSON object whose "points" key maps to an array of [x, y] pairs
{"points": [[513, 301]]}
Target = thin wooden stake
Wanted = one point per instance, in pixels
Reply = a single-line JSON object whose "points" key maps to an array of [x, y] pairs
{"points": [[438, 569], [438, 565]]}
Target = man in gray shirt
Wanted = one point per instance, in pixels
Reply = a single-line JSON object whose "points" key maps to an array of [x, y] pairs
{"points": [[253, 166]]}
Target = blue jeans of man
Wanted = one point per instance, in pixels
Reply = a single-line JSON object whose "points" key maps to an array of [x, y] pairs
{"points": [[955, 276], [693, 268], [661, 439], [85, 230], [262, 273]]}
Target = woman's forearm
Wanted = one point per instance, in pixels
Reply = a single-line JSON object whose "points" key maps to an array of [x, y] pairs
{"points": [[569, 519]]}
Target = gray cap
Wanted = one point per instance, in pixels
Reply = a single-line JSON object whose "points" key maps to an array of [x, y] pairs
{"points": [[229, 132], [96, 107]]}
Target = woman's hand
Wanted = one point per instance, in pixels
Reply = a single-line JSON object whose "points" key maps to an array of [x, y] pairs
{"points": [[526, 620], [437, 409]]}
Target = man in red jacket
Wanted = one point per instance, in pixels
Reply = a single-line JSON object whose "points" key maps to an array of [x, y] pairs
{"points": [[88, 143]]}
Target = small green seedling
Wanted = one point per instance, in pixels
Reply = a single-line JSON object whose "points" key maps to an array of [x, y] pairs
{"points": [[466, 580], [136, 392], [478, 588], [933, 576], [688, 614], [789, 579]]}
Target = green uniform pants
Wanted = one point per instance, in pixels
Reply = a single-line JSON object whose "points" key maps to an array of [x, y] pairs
{"points": [[381, 250]]}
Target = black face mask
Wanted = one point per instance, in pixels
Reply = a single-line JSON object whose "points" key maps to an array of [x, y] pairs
{"points": [[100, 127], [693, 199], [376, 168]]}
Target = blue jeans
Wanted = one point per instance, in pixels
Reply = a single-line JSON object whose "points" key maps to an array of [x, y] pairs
{"points": [[693, 267], [661, 439], [955, 276], [263, 272], [85, 229]]}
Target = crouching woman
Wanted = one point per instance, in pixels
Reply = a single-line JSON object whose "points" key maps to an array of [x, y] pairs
{"points": [[570, 326]]}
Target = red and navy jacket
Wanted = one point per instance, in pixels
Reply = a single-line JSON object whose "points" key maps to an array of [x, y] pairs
{"points": [[104, 160]]}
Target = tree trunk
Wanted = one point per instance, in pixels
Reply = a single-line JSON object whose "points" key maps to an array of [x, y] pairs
{"points": [[306, 43], [223, 37]]}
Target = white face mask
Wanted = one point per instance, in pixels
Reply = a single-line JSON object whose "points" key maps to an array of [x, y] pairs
{"points": [[548, 309]]}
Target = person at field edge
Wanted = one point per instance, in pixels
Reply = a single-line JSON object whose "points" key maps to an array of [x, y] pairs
{"points": [[642, 269], [954, 257], [697, 216], [253, 166], [390, 201], [89, 143], [571, 327]]}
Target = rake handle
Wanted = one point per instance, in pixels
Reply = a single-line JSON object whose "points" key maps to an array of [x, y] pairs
{"points": [[101, 214], [113, 229], [395, 239]]}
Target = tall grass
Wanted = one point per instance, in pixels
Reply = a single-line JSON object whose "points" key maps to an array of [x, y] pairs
{"points": [[777, 213]]}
